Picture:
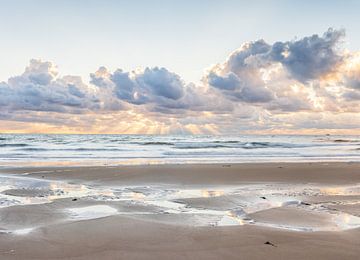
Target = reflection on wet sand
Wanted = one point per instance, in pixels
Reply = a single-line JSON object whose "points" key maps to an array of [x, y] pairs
{"points": [[211, 193], [248, 204], [91, 212]]}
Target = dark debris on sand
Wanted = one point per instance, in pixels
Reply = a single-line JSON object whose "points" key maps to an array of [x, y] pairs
{"points": [[270, 244]]}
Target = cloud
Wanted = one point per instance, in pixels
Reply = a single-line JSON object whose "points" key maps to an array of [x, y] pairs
{"points": [[229, 81], [352, 75], [310, 57], [239, 78], [236, 89], [287, 104], [157, 90], [153, 85], [271, 75], [38, 89], [352, 95], [309, 84]]}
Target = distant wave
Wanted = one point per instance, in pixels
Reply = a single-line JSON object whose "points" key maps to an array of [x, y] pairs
{"points": [[254, 145], [71, 149], [227, 142], [237, 144], [31, 139], [201, 146], [157, 143], [346, 141], [93, 149], [30, 149], [338, 140], [13, 145]]}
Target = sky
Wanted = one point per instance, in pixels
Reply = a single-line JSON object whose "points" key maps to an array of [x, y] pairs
{"points": [[173, 67]]}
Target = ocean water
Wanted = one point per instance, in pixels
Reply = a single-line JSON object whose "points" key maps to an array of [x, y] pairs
{"points": [[45, 149]]}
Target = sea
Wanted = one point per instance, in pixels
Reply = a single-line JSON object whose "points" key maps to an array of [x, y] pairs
{"points": [[64, 149]]}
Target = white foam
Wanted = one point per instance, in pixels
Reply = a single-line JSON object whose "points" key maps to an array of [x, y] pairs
{"points": [[23, 231]]}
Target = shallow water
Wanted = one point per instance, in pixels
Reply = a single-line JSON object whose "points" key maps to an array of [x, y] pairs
{"points": [[205, 206]]}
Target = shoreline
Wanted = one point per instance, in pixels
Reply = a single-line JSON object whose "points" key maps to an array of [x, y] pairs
{"points": [[158, 162], [325, 172]]}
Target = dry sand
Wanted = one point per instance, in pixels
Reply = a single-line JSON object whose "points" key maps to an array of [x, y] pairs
{"points": [[157, 237]]}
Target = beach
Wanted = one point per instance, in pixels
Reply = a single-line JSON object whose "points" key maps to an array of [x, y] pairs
{"points": [[307, 210], [143, 130]]}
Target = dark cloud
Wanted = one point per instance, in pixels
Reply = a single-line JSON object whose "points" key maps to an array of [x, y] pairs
{"points": [[125, 88], [310, 57], [353, 81], [227, 82], [352, 95], [254, 95], [161, 82], [153, 85], [239, 60], [289, 104]]}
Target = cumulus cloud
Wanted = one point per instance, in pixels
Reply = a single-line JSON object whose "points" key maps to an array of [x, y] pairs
{"points": [[306, 83], [158, 90], [38, 89], [239, 78], [272, 75], [228, 81], [153, 85], [310, 57]]}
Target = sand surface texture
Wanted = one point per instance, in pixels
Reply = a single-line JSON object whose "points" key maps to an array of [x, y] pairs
{"points": [[220, 211]]}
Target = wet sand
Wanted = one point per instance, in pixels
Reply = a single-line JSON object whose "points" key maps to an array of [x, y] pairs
{"points": [[222, 211]]}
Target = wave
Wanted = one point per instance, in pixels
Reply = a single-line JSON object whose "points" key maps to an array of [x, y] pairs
{"points": [[31, 139], [13, 145], [346, 141], [72, 149], [90, 149], [243, 145], [338, 140], [158, 143], [30, 149], [227, 142], [254, 145], [202, 146]]}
